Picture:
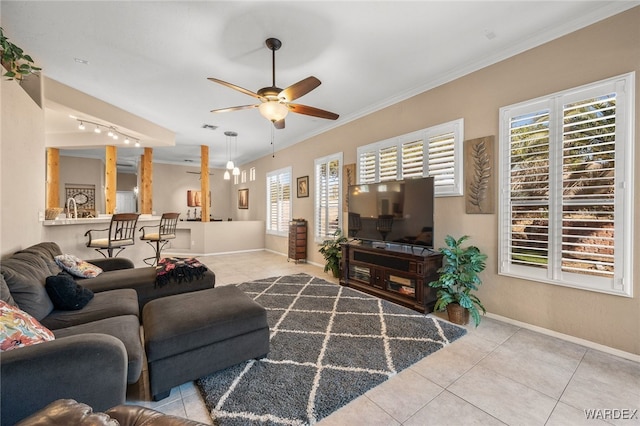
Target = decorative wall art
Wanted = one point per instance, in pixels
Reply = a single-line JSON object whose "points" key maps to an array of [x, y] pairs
{"points": [[348, 178], [84, 195], [303, 186], [479, 175], [194, 198], [243, 198]]}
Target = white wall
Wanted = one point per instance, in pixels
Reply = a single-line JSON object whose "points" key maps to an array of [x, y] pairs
{"points": [[23, 163]]}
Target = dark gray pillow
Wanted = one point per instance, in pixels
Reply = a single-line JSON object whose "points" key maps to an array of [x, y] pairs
{"points": [[66, 294], [25, 275], [5, 294]]}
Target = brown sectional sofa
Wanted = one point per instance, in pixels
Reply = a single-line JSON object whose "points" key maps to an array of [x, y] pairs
{"points": [[97, 349]]}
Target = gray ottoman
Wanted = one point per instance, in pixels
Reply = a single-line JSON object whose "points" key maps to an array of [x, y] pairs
{"points": [[191, 335]]}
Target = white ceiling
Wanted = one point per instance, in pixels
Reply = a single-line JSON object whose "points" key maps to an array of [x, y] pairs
{"points": [[153, 58]]}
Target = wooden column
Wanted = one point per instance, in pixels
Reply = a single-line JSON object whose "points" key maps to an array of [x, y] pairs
{"points": [[146, 181], [53, 178], [110, 178], [204, 182]]}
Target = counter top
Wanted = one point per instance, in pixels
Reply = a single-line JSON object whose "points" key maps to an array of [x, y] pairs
{"points": [[92, 220]]}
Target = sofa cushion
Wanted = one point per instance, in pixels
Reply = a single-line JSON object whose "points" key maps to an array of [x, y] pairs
{"points": [[103, 305], [19, 329], [46, 250], [25, 273], [126, 328], [5, 294], [77, 267], [66, 294]]}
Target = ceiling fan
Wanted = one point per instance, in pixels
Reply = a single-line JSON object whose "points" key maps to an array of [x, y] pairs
{"points": [[275, 103]]}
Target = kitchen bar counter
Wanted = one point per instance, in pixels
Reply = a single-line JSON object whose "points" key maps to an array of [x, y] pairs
{"points": [[192, 238]]}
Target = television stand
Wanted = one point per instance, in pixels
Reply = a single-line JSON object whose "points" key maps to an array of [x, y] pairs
{"points": [[397, 272]]}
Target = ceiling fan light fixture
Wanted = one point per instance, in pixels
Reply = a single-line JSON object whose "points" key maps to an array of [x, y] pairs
{"points": [[273, 110]]}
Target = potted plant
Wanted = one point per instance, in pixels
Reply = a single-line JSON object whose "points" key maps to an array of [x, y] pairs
{"points": [[13, 58], [332, 252], [458, 278]]}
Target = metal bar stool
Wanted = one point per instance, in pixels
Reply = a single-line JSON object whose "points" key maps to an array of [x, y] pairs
{"points": [[166, 231], [121, 233]]}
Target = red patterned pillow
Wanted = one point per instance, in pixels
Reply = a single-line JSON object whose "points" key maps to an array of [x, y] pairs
{"points": [[18, 328]]}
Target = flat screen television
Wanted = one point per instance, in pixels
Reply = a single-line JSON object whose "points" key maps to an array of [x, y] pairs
{"points": [[392, 211]]}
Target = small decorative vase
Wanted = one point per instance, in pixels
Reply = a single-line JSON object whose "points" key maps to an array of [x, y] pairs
{"points": [[457, 314]]}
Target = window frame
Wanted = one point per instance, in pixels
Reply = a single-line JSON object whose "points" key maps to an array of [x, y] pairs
{"points": [[456, 127], [621, 284], [277, 174], [322, 234]]}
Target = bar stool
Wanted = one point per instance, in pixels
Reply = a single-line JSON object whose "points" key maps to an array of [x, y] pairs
{"points": [[166, 231], [121, 233]]}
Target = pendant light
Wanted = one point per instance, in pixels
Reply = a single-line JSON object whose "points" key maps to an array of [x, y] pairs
{"points": [[229, 134], [236, 170]]}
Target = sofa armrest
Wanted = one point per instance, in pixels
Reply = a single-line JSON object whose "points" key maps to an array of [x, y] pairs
{"points": [[112, 263], [91, 368]]}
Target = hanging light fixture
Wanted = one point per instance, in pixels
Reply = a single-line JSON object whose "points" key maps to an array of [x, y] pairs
{"points": [[236, 170], [81, 126], [229, 134]]}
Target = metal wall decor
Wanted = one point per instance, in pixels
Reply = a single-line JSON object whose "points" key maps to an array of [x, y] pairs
{"points": [[479, 175]]}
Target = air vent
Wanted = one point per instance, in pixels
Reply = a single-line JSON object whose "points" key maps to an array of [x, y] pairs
{"points": [[209, 126]]}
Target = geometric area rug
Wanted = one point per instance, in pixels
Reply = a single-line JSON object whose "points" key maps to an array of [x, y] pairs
{"points": [[329, 344]]}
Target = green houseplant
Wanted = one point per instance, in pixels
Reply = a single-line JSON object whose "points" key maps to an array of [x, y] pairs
{"points": [[17, 63], [458, 278], [332, 252]]}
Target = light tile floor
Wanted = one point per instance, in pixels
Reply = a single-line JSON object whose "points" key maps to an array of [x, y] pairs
{"points": [[497, 374]]}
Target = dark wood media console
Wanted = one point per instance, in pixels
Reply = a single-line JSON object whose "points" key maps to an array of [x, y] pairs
{"points": [[396, 272]]}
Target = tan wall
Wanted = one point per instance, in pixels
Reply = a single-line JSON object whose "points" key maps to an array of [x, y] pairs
{"points": [[602, 50], [86, 171]]}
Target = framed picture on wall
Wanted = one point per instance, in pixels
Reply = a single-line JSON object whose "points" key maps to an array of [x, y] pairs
{"points": [[303, 186], [243, 198]]}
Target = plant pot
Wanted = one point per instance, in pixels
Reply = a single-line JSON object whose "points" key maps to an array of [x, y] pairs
{"points": [[457, 314]]}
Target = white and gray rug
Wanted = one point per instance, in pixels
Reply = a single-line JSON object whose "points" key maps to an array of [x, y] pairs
{"points": [[329, 345]]}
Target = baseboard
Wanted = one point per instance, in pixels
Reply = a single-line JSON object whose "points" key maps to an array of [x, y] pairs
{"points": [[193, 254], [568, 338]]}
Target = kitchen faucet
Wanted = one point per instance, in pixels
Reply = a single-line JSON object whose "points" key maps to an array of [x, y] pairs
{"points": [[75, 208]]}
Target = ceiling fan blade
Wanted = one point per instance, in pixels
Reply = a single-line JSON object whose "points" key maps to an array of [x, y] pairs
{"points": [[279, 124], [299, 89], [234, 87], [315, 112], [236, 108]]}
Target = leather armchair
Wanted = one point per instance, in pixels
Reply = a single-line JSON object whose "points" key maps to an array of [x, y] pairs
{"points": [[64, 412]]}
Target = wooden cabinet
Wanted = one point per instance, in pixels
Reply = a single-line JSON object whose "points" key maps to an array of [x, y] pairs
{"points": [[396, 272], [298, 240]]}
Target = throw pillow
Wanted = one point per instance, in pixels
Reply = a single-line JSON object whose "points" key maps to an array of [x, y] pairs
{"points": [[19, 329], [76, 266], [66, 294]]}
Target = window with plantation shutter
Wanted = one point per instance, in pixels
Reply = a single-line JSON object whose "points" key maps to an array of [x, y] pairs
{"points": [[434, 151], [279, 201], [328, 196], [566, 173]]}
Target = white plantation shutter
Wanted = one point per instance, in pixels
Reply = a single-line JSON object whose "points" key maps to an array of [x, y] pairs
{"points": [[441, 159], [388, 163], [412, 159], [566, 199], [588, 176], [367, 167], [529, 189], [435, 151], [328, 199], [279, 201]]}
